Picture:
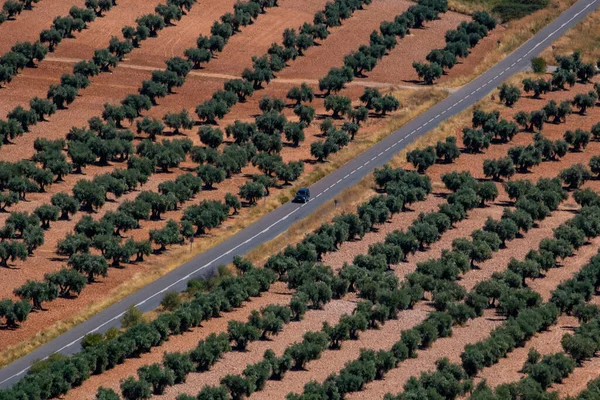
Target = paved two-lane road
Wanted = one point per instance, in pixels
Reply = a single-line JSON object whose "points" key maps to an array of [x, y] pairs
{"points": [[327, 188]]}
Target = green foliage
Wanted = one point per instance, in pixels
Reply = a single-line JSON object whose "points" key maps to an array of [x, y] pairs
{"points": [[538, 65], [428, 72], [509, 94], [132, 317], [133, 389]]}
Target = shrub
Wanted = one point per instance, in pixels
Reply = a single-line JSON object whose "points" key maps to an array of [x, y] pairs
{"points": [[156, 376], [133, 389], [538, 65], [170, 301], [132, 317], [509, 94]]}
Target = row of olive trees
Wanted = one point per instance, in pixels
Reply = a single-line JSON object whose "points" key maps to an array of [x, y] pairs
{"points": [[569, 296], [487, 127], [12, 8], [235, 383], [553, 112], [436, 277], [458, 42], [90, 195], [355, 64], [366, 57], [59, 374], [213, 137], [359, 372], [107, 141], [104, 141], [218, 300], [24, 54], [61, 95], [293, 45], [105, 235], [570, 69], [315, 285], [49, 154], [265, 134]]}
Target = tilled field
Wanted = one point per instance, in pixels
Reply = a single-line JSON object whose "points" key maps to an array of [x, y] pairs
{"points": [[341, 363]]}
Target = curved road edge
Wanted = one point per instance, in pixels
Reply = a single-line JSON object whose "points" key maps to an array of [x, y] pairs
{"points": [[277, 221]]}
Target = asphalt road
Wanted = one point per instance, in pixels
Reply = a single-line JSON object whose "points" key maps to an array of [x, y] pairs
{"points": [[279, 220]]}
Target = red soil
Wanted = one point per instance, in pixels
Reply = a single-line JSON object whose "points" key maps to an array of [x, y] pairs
{"points": [[28, 25]]}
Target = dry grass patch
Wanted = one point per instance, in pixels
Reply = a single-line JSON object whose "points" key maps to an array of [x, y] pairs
{"points": [[585, 36], [516, 33]]}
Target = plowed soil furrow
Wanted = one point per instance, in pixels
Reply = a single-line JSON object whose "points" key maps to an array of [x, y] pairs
{"points": [[332, 361], [279, 294], [33, 82], [28, 25], [235, 362]]}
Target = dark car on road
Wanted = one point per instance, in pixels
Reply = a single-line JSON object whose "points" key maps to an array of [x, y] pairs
{"points": [[302, 196]]}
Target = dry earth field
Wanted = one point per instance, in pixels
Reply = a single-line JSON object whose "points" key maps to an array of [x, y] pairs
{"points": [[393, 74]]}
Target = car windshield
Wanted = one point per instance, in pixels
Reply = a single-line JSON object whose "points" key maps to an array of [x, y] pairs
{"points": [[301, 192]]}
